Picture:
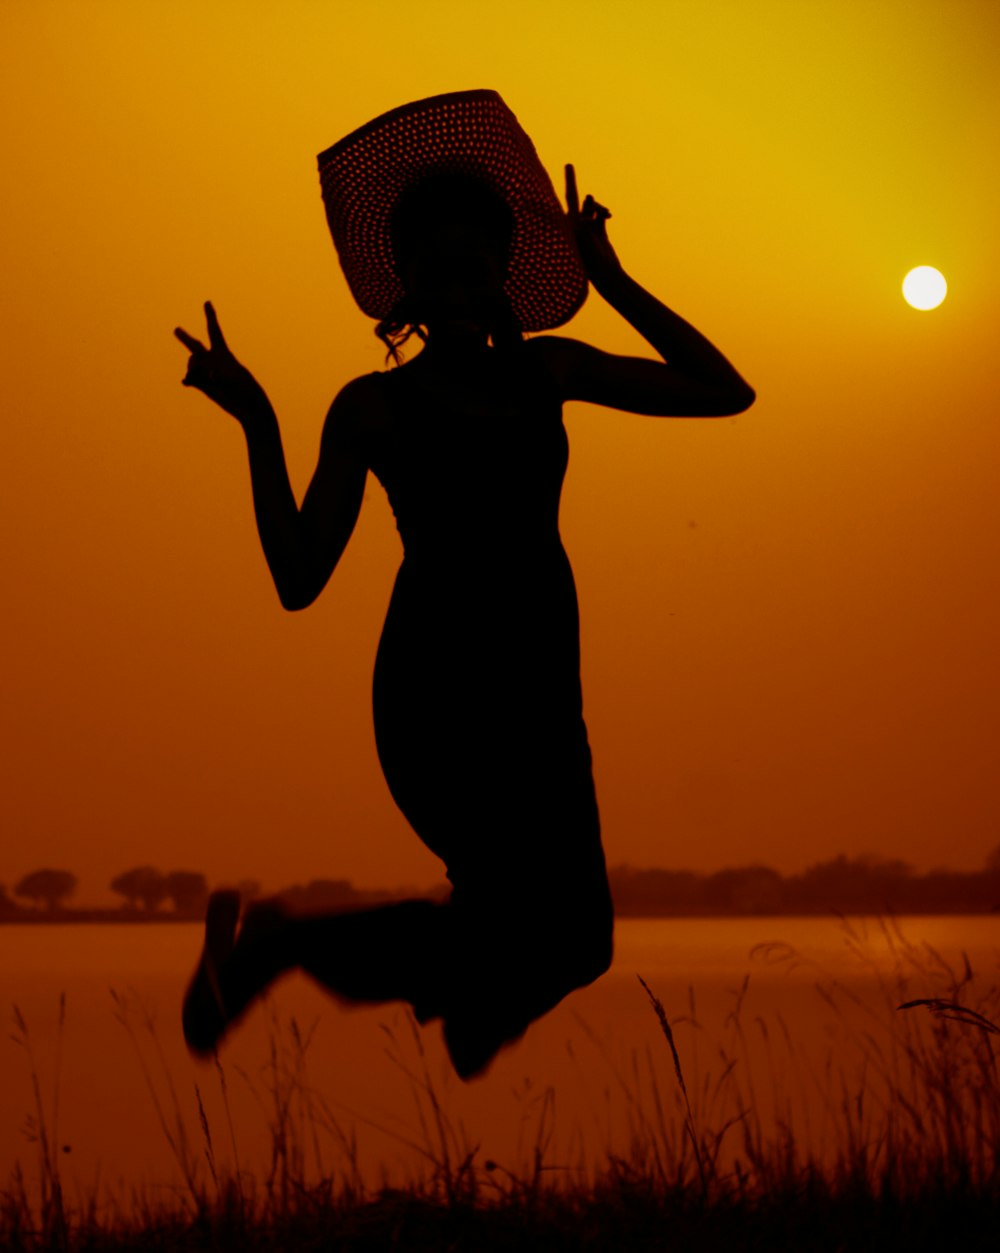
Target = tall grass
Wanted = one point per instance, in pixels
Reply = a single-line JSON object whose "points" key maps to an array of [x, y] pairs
{"points": [[48, 1217], [906, 1097], [898, 1123]]}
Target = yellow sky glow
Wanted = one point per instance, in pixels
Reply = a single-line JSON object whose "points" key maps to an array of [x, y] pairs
{"points": [[789, 619]]}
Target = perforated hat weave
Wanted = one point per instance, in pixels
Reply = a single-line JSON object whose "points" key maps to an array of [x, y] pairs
{"points": [[467, 132]]}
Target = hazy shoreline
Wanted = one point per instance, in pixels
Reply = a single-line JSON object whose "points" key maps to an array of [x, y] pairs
{"points": [[115, 916], [856, 886]]}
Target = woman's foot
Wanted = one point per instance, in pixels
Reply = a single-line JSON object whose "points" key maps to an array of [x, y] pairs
{"points": [[235, 967], [204, 1016]]}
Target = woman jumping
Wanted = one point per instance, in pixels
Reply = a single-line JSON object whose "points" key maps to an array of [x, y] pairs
{"points": [[447, 227]]}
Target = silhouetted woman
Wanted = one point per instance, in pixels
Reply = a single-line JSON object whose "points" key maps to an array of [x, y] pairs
{"points": [[447, 227]]}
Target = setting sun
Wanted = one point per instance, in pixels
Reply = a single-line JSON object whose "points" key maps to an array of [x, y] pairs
{"points": [[924, 287]]}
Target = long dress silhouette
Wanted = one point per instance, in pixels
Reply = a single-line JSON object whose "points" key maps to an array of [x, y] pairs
{"points": [[477, 699]]}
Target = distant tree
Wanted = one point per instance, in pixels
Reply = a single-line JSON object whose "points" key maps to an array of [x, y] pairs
{"points": [[50, 886], [866, 883], [144, 885], [993, 859], [187, 889], [7, 906], [653, 892], [746, 889]]}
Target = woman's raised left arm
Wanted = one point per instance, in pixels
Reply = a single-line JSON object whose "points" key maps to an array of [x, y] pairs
{"points": [[693, 379]]}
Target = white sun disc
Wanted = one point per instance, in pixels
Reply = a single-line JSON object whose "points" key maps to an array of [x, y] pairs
{"points": [[924, 287]]}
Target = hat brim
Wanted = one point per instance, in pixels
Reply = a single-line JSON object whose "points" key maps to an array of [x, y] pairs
{"points": [[472, 133]]}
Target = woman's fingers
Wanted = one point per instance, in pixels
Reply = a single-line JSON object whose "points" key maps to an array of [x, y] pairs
{"points": [[591, 210], [199, 363], [215, 336], [572, 198], [189, 341], [205, 362], [594, 210]]}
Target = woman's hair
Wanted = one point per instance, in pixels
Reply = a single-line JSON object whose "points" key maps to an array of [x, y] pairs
{"points": [[400, 323], [435, 199]]}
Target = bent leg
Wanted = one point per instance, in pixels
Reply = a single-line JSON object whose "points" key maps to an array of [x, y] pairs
{"points": [[489, 965], [397, 952], [392, 952], [530, 946]]}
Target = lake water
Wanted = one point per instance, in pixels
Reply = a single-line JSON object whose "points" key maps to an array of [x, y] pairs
{"points": [[582, 1080]]}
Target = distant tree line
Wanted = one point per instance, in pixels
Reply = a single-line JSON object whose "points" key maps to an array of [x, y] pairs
{"points": [[851, 885], [147, 892], [143, 888]]}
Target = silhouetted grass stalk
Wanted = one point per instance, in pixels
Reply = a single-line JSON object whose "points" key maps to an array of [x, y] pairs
{"points": [[45, 1133], [172, 1123], [909, 1108], [661, 1014]]}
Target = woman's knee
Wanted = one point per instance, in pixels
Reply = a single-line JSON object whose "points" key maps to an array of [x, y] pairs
{"points": [[597, 949]]}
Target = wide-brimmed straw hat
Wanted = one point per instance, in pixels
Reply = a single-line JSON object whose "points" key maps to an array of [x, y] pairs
{"points": [[471, 133]]}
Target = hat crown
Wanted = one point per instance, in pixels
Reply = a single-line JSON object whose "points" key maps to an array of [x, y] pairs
{"points": [[472, 133]]}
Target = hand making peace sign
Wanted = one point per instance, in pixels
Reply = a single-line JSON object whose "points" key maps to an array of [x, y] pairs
{"points": [[589, 223], [216, 372]]}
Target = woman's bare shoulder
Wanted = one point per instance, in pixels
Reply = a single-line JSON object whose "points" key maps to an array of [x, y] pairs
{"points": [[358, 409], [362, 392]]}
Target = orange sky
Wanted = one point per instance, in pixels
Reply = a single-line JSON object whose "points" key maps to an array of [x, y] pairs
{"points": [[789, 619]]}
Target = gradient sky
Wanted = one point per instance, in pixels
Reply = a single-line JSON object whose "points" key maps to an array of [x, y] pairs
{"points": [[790, 619]]}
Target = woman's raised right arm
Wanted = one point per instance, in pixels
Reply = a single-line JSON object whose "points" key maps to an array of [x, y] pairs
{"points": [[302, 546]]}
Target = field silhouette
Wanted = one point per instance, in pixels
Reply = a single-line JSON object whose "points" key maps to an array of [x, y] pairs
{"points": [[720, 1147]]}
